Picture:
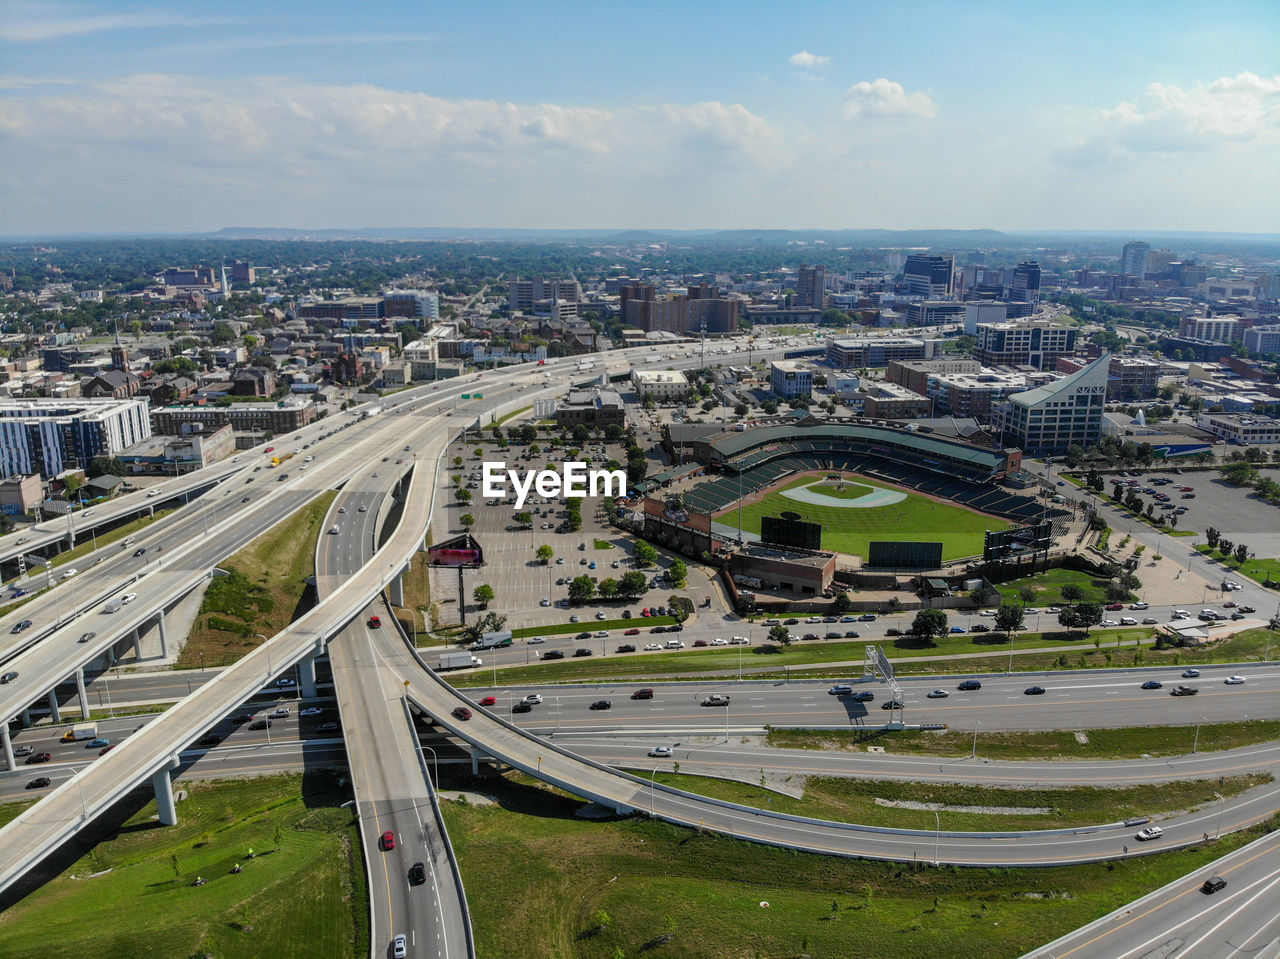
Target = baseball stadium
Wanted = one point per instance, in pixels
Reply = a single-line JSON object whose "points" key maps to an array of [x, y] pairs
{"points": [[860, 481]]}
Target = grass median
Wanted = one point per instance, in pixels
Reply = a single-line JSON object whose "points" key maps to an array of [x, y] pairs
{"points": [[265, 590], [871, 802], [541, 882], [132, 894], [1130, 742], [590, 625]]}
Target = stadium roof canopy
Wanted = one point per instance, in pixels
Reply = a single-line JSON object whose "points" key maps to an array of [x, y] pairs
{"points": [[908, 440]]}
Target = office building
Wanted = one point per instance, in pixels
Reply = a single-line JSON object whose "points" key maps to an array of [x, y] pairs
{"points": [[1037, 344], [594, 409], [983, 311], [50, 436], [933, 313], [810, 287], [790, 379], [889, 401], [243, 273], [929, 276], [1263, 339], [660, 384], [1213, 329], [679, 313], [414, 304], [1133, 258], [871, 351], [351, 308], [1050, 418], [1243, 430], [1158, 263], [1026, 283], [522, 294], [283, 416]]}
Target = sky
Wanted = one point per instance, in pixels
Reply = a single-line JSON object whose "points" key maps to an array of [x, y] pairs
{"points": [[175, 117]]}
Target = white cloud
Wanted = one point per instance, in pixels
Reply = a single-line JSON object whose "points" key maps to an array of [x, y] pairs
{"points": [[804, 60], [362, 153], [885, 98], [36, 23]]}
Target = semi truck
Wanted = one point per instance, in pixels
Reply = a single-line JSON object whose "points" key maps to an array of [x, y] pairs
{"points": [[80, 731], [493, 640], [459, 660]]}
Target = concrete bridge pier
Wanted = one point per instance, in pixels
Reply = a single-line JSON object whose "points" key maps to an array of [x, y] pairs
{"points": [[396, 586], [163, 786], [164, 636], [84, 697], [307, 672], [55, 713], [7, 742]]}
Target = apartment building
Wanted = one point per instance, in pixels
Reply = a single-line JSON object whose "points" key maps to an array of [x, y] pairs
{"points": [[874, 351], [1037, 344], [50, 436]]}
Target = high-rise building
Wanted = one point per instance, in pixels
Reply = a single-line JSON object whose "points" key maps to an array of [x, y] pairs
{"points": [[242, 273], [677, 314], [1263, 339], [1026, 283], [1215, 329], [929, 275], [522, 294], [1050, 418], [810, 287], [1037, 344], [1158, 262], [51, 436], [1133, 258]]}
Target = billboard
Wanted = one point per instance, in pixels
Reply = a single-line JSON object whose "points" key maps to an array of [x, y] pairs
{"points": [[776, 531], [677, 515], [902, 555], [1038, 537], [459, 551]]}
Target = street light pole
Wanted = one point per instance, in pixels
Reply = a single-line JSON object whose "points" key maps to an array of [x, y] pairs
{"points": [[937, 836], [974, 754], [1221, 808]]}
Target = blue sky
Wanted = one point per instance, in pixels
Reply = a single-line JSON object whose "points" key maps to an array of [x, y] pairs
{"points": [[185, 116]]}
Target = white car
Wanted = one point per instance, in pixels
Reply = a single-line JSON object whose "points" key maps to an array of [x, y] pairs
{"points": [[128, 598], [1180, 614], [1138, 606], [651, 646], [660, 752], [719, 642], [1110, 622], [990, 612], [1151, 832], [285, 681], [1234, 680], [154, 492], [311, 711], [535, 640], [1128, 621], [740, 641], [69, 573], [546, 601], [533, 699], [363, 508]]}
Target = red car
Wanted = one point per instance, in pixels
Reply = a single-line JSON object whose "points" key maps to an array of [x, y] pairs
{"points": [[388, 841], [269, 449], [699, 642], [489, 701], [375, 622], [645, 611], [1230, 604], [1116, 606], [632, 632], [462, 712]]}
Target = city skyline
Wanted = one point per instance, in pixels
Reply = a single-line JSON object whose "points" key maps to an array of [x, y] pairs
{"points": [[830, 116]]}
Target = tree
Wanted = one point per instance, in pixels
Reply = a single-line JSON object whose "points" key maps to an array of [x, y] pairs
{"points": [[581, 434], [1072, 592], [930, 624], [467, 520], [544, 554], [1116, 593], [102, 465], [1009, 617], [1027, 594], [457, 462], [633, 583], [1212, 535], [1088, 615], [780, 636], [840, 605], [489, 622], [645, 553], [524, 518], [483, 595], [1130, 581], [770, 407], [678, 572], [741, 409], [581, 589], [462, 495], [1242, 553], [608, 588], [1241, 473], [1068, 618]]}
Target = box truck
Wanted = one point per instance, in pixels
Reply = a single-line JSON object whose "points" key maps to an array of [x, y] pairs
{"points": [[459, 660], [80, 731]]}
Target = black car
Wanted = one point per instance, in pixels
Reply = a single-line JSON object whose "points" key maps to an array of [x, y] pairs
{"points": [[1034, 691], [658, 629], [979, 628], [1184, 691], [970, 684], [417, 874], [19, 627], [893, 631], [9, 677], [893, 704], [1213, 884], [851, 634], [211, 740], [626, 648], [553, 654], [677, 628], [1153, 684], [260, 724], [585, 634], [327, 728], [582, 652], [241, 718], [522, 707], [836, 635], [140, 551], [790, 622], [38, 758], [601, 704], [40, 782]]}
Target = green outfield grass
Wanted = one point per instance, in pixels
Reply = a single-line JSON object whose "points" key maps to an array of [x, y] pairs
{"points": [[915, 519]]}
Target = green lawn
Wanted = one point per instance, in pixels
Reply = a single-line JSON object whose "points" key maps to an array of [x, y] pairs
{"points": [[1264, 569], [840, 799], [541, 882], [131, 894], [1048, 587], [1124, 743], [915, 519]]}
